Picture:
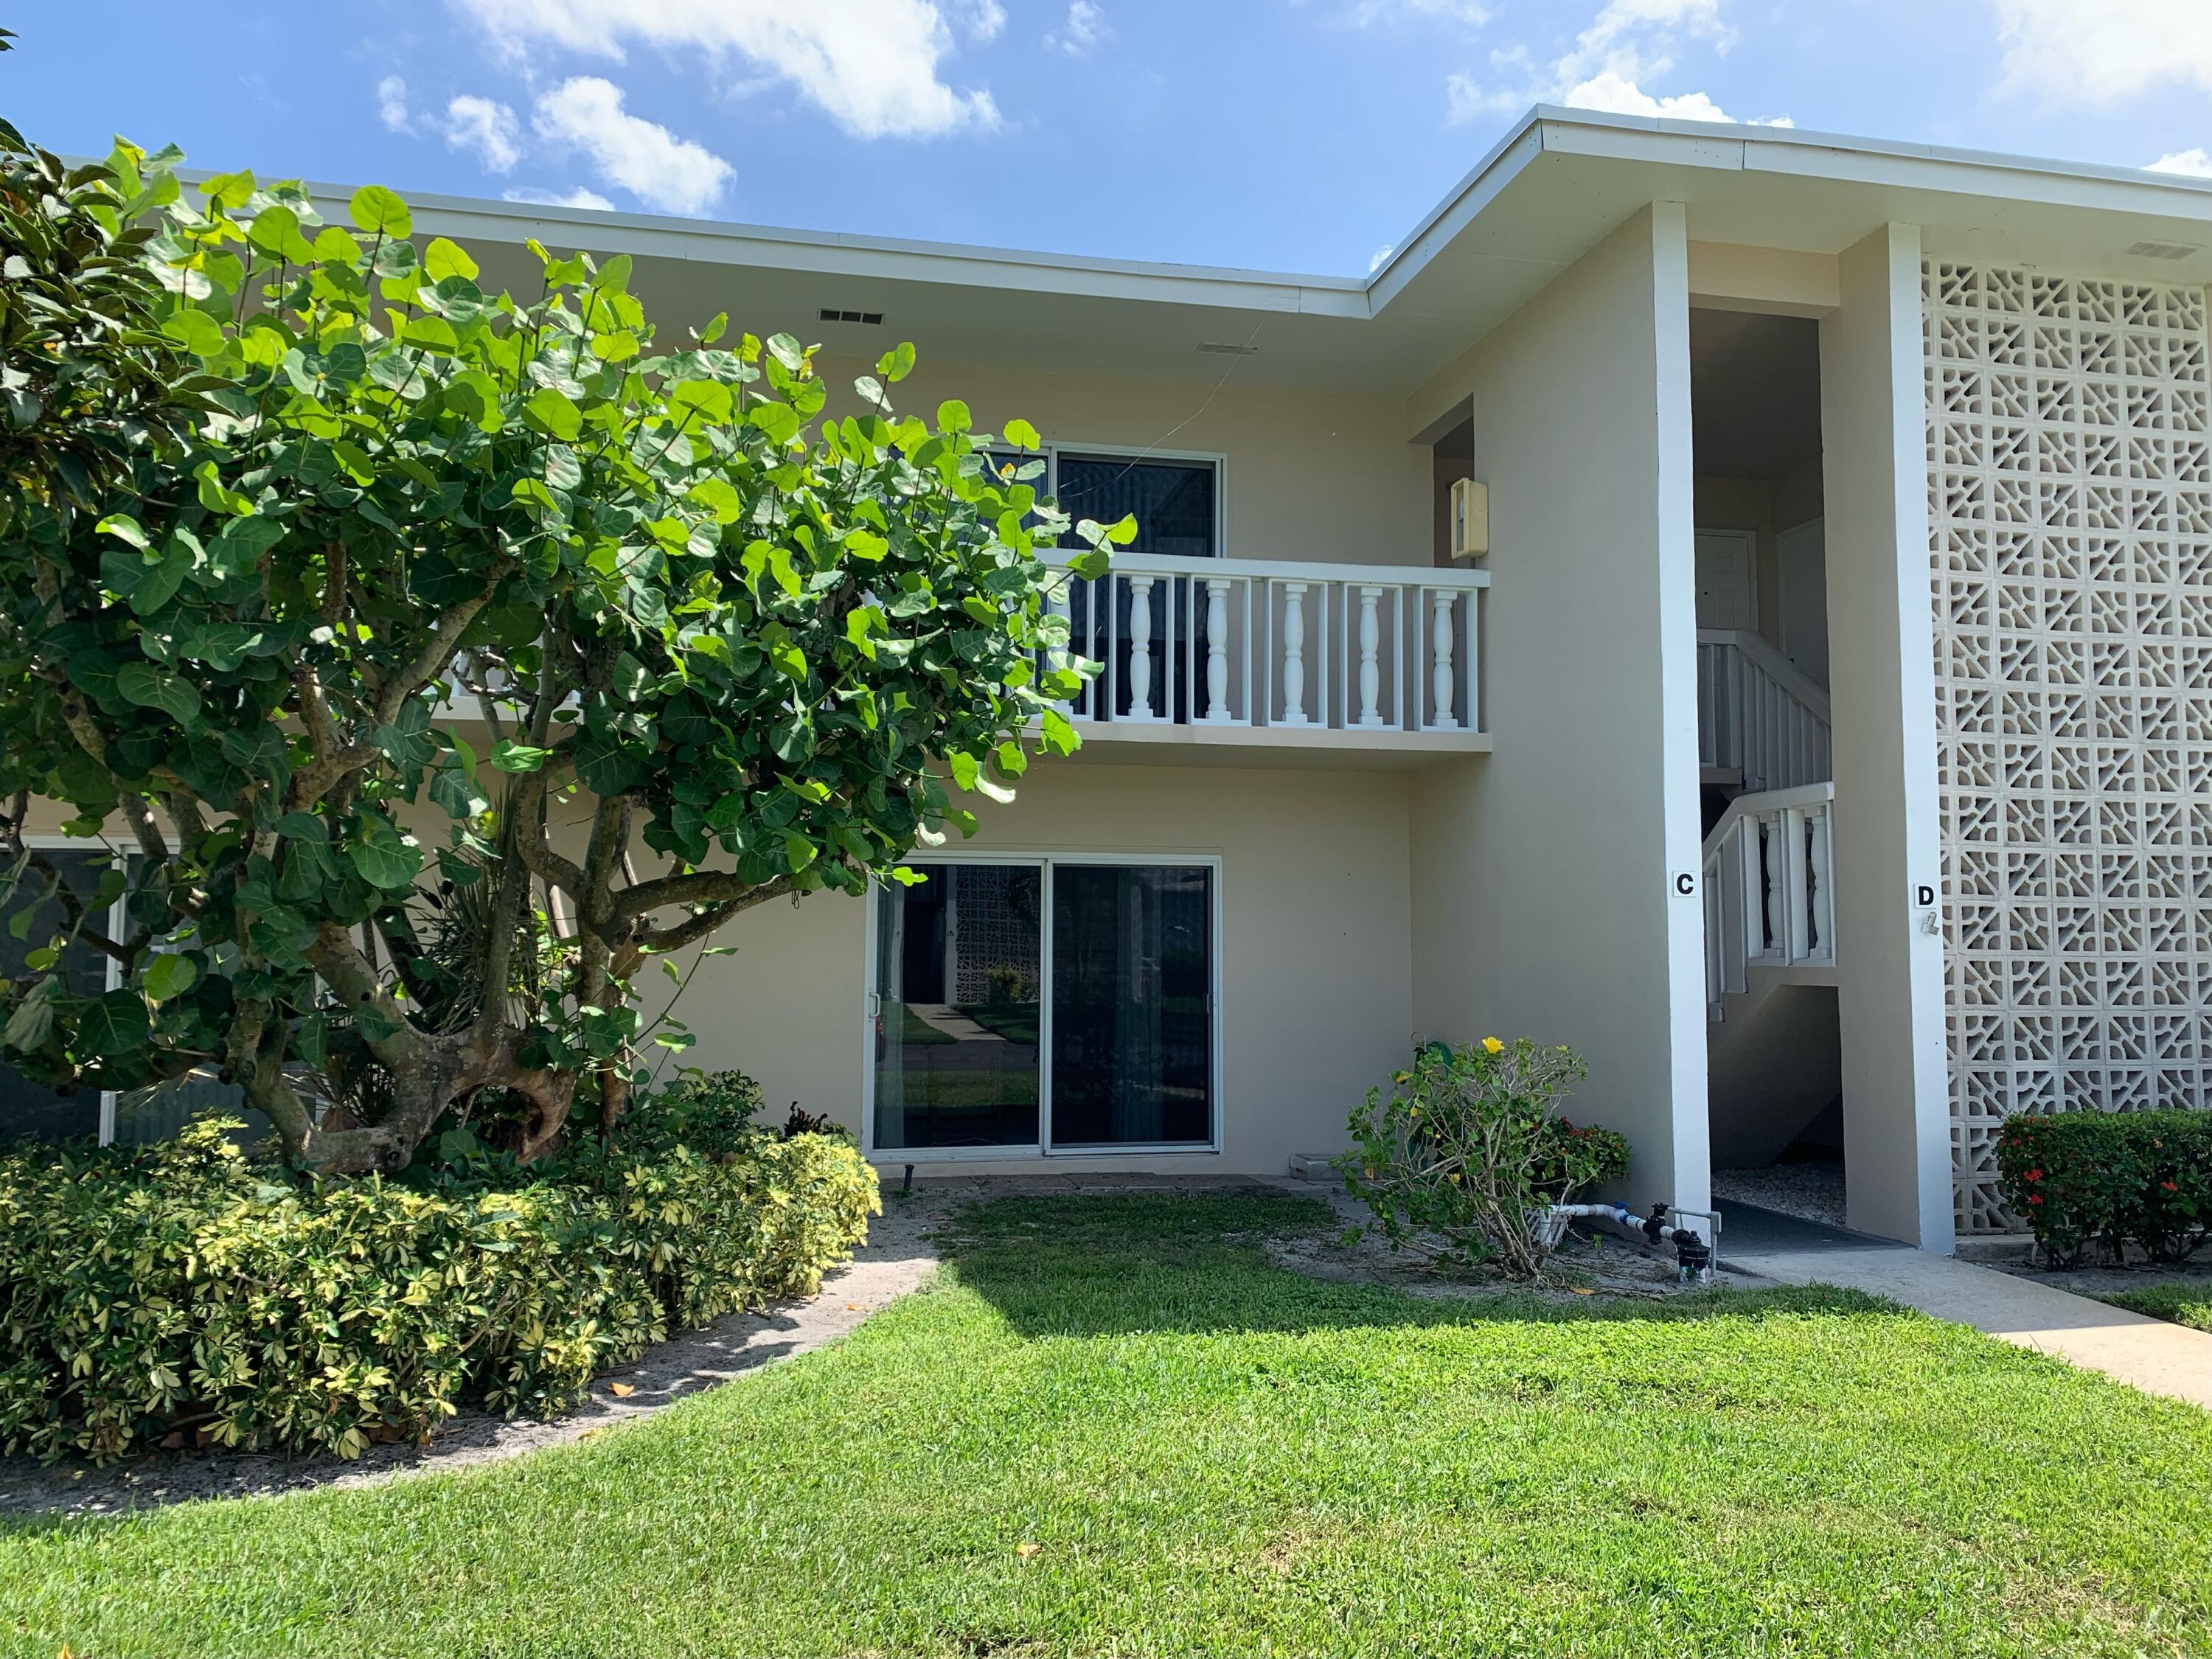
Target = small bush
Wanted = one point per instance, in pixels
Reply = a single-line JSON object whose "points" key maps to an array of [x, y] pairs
{"points": [[176, 1293], [710, 1112], [1469, 1146], [2112, 1179]]}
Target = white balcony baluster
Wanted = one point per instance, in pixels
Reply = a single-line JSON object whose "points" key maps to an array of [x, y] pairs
{"points": [[1294, 653], [1370, 643], [1216, 651], [1441, 715], [1140, 649]]}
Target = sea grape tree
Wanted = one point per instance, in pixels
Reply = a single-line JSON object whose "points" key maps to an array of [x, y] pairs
{"points": [[467, 652]]}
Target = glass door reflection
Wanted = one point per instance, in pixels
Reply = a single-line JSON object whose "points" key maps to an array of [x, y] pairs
{"points": [[959, 970]]}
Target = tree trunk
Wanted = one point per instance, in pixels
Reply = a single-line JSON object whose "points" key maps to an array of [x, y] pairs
{"points": [[445, 1067]]}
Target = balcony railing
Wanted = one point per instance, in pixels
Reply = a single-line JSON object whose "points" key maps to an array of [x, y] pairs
{"points": [[1285, 646], [1767, 874]]}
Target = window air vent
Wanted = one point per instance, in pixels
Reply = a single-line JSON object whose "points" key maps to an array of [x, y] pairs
{"points": [[2163, 250], [832, 314], [1223, 349]]}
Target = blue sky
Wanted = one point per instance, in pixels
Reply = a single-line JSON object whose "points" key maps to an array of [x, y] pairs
{"points": [[1291, 134]]}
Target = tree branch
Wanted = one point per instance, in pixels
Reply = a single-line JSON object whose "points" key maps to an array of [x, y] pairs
{"points": [[437, 652], [346, 971], [693, 887]]}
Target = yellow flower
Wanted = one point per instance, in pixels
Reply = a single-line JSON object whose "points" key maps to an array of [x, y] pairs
{"points": [[1494, 1045]]}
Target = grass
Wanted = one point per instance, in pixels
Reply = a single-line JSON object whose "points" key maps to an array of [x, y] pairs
{"points": [[1215, 1457], [1017, 1022], [2185, 1302]]}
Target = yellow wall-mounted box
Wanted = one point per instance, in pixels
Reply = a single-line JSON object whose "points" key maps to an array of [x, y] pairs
{"points": [[1470, 518]]}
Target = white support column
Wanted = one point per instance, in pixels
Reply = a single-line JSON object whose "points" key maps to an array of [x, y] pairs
{"points": [[1370, 643], [1896, 1115], [1294, 653], [1140, 648], [1217, 650], [1441, 713]]}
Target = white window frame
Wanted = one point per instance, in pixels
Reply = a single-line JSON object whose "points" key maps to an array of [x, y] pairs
{"points": [[1043, 1148], [118, 923], [1217, 460]]}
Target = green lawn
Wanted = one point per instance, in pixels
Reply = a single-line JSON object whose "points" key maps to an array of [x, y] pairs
{"points": [[1214, 1457], [2184, 1303]]}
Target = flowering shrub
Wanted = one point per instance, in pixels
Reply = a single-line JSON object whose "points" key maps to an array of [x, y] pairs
{"points": [[1468, 1146], [177, 1294], [2112, 1179]]}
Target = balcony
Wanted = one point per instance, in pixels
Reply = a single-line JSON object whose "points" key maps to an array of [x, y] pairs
{"points": [[1243, 658]]}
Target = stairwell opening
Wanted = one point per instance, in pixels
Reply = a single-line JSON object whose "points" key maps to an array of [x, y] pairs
{"points": [[1765, 775]]}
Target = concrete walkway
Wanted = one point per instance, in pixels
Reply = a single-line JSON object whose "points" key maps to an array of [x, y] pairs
{"points": [[2150, 1354]]}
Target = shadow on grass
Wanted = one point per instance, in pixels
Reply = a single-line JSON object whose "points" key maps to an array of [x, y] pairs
{"points": [[1126, 1264]]}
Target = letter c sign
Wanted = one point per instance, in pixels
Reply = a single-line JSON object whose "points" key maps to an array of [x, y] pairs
{"points": [[1686, 884]]}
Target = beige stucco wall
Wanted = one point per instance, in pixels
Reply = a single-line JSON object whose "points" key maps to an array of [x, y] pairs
{"points": [[1315, 949], [1307, 476], [1543, 875]]}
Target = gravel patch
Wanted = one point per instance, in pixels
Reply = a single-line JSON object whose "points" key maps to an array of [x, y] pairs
{"points": [[1603, 1266], [1811, 1192], [897, 1258]]}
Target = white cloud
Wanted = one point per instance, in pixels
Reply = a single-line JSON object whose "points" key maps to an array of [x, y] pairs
{"points": [[2097, 52], [2190, 163], [1628, 44], [1608, 91], [873, 64], [979, 19], [1375, 261], [1084, 31], [487, 127], [391, 105], [586, 112], [578, 198]]}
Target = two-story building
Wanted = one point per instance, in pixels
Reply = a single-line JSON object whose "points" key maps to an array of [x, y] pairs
{"points": [[1810, 719]]}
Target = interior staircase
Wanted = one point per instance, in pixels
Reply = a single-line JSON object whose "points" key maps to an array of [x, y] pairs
{"points": [[1773, 1053]]}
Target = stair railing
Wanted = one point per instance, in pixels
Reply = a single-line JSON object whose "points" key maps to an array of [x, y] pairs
{"points": [[1758, 714], [1768, 887]]}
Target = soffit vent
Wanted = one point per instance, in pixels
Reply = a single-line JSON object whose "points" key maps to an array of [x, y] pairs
{"points": [[833, 314], [2163, 250], [1221, 348]]}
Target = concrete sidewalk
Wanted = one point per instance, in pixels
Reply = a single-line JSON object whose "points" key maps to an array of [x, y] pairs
{"points": [[2150, 1354]]}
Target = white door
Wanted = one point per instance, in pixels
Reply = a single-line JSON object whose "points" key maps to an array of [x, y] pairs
{"points": [[1802, 559], [1727, 594]]}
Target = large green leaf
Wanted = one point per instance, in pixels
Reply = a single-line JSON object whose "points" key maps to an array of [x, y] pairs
{"points": [[115, 1024], [381, 212], [156, 687], [385, 857]]}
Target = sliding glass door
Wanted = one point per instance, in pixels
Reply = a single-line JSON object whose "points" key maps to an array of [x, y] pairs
{"points": [[959, 972], [1131, 1005], [1044, 1006]]}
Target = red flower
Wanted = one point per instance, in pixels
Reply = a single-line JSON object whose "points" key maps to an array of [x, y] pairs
{"points": [[2032, 1175], [2168, 1186], [2035, 1198]]}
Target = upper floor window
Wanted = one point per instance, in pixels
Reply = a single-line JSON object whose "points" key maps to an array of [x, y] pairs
{"points": [[1177, 502]]}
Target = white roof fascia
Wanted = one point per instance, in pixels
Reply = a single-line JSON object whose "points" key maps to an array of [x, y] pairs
{"points": [[1781, 151]]}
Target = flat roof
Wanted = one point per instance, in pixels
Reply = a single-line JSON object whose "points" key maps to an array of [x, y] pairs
{"points": [[1545, 193]]}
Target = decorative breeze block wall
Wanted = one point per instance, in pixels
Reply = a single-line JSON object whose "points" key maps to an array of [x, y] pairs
{"points": [[2070, 507]]}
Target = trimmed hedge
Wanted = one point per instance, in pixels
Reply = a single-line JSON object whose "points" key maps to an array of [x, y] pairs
{"points": [[179, 1295], [2111, 1178]]}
